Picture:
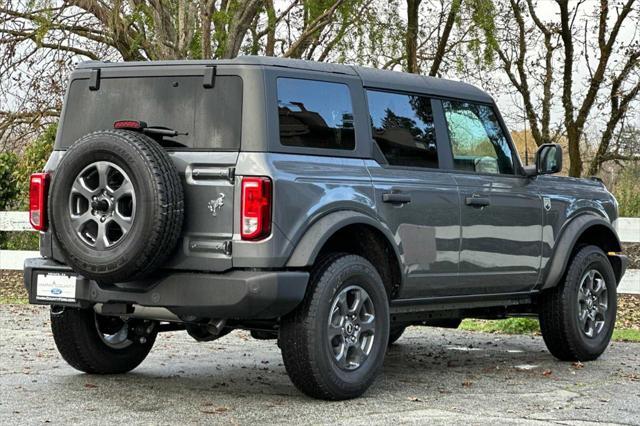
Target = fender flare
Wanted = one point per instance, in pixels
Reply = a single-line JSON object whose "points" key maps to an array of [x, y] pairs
{"points": [[567, 241], [309, 246]]}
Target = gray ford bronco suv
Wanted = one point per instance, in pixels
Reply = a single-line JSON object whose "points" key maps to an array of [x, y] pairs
{"points": [[324, 206]]}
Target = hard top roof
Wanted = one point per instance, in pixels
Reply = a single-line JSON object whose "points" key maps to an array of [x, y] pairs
{"points": [[370, 77]]}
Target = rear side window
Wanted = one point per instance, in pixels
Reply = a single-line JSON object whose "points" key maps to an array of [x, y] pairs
{"points": [[403, 128], [315, 114], [206, 118], [477, 140]]}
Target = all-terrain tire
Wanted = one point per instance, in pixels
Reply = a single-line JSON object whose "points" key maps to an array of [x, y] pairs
{"points": [[559, 309], [159, 211], [77, 339], [306, 348]]}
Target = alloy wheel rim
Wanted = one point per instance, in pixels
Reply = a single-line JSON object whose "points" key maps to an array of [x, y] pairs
{"points": [[113, 331], [102, 204], [351, 327], [593, 303]]}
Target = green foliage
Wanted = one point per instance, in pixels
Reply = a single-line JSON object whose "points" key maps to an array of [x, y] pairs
{"points": [[485, 42], [507, 326], [627, 192], [626, 335], [532, 326], [14, 185], [19, 241], [8, 190], [32, 160]]}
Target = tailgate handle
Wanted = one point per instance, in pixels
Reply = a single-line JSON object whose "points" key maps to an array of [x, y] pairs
{"points": [[204, 173]]}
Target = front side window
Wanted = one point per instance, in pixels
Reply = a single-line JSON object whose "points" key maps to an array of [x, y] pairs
{"points": [[403, 128], [315, 114], [477, 140]]}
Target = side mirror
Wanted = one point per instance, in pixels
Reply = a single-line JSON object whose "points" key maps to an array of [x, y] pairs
{"points": [[549, 159]]}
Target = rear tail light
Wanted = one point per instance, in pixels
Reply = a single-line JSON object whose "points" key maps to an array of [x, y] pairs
{"points": [[38, 188], [256, 208]]}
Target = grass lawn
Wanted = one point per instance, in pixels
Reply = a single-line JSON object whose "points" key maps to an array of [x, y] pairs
{"points": [[531, 326]]}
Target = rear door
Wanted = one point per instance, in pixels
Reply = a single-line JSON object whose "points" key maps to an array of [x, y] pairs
{"points": [[414, 198], [208, 118], [501, 211]]}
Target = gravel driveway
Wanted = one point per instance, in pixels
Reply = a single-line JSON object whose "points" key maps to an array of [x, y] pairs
{"points": [[431, 375]]}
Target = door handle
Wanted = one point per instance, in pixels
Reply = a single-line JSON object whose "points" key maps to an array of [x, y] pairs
{"points": [[477, 201], [396, 198]]}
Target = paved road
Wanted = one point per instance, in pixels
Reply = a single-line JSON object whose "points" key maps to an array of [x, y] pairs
{"points": [[432, 375]]}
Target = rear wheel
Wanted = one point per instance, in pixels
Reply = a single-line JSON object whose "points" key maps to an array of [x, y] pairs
{"points": [[333, 344], [100, 344], [578, 316]]}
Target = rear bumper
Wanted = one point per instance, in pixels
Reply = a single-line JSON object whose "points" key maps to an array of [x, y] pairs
{"points": [[237, 294]]}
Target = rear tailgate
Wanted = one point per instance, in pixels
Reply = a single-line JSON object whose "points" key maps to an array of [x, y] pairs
{"points": [[208, 119], [208, 214]]}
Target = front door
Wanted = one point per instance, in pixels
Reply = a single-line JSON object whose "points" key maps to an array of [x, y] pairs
{"points": [[501, 211], [414, 198]]}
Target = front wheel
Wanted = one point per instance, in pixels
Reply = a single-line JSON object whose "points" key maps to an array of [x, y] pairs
{"points": [[98, 344], [578, 316], [333, 344]]}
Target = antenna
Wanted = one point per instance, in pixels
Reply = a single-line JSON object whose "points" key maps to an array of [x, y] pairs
{"points": [[526, 147]]}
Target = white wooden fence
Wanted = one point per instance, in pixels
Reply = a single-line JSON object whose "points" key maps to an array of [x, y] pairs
{"points": [[628, 230]]}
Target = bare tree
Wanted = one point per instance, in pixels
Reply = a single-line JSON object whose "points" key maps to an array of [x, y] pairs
{"points": [[538, 56], [41, 40]]}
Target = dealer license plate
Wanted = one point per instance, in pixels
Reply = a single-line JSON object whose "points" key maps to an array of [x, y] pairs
{"points": [[56, 287]]}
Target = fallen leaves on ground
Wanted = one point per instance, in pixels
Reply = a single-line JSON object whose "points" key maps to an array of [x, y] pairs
{"points": [[216, 410], [633, 252], [11, 287]]}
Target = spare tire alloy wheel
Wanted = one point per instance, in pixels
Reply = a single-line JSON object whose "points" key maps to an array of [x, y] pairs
{"points": [[116, 206], [102, 204]]}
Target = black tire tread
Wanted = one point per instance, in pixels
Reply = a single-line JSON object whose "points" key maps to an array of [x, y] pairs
{"points": [[169, 195], [555, 322], [298, 345]]}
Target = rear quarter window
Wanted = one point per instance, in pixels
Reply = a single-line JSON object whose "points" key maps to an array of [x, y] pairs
{"points": [[315, 114], [404, 129], [211, 118]]}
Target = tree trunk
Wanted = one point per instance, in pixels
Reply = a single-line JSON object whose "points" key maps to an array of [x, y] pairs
{"points": [[575, 158], [411, 38], [444, 38]]}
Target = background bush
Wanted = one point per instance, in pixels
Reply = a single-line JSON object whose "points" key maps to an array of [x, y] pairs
{"points": [[14, 185], [627, 190], [8, 185]]}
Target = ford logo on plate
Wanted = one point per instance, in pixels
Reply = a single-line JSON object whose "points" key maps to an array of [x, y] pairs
{"points": [[56, 291]]}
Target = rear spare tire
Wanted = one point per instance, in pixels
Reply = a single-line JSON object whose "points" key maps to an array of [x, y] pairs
{"points": [[116, 205]]}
